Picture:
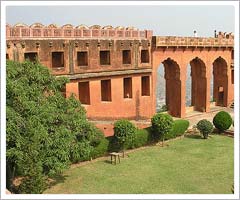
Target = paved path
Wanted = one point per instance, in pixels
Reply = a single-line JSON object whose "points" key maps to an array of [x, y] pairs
{"points": [[194, 116]]}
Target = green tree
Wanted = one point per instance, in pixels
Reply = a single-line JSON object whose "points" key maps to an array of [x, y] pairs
{"points": [[125, 132], [42, 126], [162, 124], [205, 127]]}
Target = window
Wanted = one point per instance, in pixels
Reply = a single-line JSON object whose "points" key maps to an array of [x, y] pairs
{"points": [[82, 58], [106, 90], [144, 56], [126, 55], [232, 54], [32, 56], [232, 76], [104, 57], [7, 56], [127, 87], [84, 92], [145, 86], [57, 59]]}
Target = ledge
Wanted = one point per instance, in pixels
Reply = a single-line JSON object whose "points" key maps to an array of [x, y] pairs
{"points": [[171, 41], [106, 73]]}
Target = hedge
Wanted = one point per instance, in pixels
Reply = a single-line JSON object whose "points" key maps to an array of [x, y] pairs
{"points": [[100, 149], [142, 137], [179, 127]]}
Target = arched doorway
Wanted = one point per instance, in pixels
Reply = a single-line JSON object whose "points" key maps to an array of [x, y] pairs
{"points": [[220, 82], [173, 87], [161, 89], [199, 85]]}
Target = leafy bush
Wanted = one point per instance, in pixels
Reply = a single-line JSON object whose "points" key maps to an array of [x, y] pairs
{"points": [[44, 131], [161, 125], [125, 132], [222, 120], [205, 127], [100, 149], [179, 127], [143, 137]]}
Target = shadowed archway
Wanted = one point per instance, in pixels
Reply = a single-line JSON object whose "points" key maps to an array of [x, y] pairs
{"points": [[220, 81], [199, 85], [173, 87]]}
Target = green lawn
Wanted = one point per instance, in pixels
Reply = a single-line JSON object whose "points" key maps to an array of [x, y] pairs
{"points": [[187, 166]]}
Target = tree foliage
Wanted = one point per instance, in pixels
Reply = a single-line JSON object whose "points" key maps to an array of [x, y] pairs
{"points": [[161, 125], [43, 128], [205, 127], [222, 121], [125, 132]]}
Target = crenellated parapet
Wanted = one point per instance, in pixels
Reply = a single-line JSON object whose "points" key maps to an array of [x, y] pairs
{"points": [[172, 41], [38, 30]]}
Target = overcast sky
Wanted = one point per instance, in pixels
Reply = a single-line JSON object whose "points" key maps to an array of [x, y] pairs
{"points": [[163, 20]]}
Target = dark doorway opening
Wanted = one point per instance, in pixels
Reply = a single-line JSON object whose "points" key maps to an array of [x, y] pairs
{"points": [[31, 56], [82, 58], [106, 90], [84, 92], [104, 57], [127, 87], [126, 55], [57, 59], [144, 56]]}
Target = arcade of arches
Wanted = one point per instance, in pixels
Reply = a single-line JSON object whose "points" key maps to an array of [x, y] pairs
{"points": [[205, 65]]}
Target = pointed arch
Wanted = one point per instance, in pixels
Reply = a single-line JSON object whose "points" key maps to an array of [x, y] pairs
{"points": [[220, 81], [199, 85], [173, 86]]}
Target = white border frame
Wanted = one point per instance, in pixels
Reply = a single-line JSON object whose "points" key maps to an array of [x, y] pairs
{"points": [[131, 196]]}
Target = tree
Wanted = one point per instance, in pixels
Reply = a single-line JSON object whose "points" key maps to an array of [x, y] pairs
{"points": [[161, 125], [124, 131], [205, 127], [42, 126]]}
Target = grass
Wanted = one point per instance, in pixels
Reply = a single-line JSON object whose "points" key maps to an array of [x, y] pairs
{"points": [[188, 166]]}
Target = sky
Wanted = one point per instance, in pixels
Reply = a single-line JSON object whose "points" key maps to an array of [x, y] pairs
{"points": [[175, 20]]}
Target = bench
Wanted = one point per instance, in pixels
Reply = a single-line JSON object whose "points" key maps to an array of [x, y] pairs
{"points": [[116, 156]]}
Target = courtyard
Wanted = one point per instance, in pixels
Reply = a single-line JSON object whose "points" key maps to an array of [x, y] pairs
{"points": [[190, 165]]}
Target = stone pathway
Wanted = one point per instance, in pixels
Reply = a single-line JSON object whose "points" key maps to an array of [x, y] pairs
{"points": [[194, 116]]}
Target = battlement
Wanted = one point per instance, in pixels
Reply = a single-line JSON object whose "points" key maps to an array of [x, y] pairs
{"points": [[172, 41], [38, 30]]}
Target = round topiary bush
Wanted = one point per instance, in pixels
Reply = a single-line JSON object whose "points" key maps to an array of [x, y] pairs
{"points": [[125, 132], [222, 120], [205, 127], [161, 124]]}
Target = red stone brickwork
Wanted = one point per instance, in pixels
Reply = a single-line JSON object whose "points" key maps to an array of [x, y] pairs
{"points": [[113, 71]]}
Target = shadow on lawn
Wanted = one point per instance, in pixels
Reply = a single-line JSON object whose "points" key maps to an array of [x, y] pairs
{"points": [[56, 180], [108, 161], [194, 136]]}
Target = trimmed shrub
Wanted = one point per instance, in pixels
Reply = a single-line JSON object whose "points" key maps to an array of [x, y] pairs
{"points": [[161, 125], [143, 137], [222, 120], [179, 127], [125, 132], [100, 149], [205, 127]]}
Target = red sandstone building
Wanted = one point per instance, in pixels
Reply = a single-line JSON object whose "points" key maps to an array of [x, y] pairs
{"points": [[113, 71]]}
